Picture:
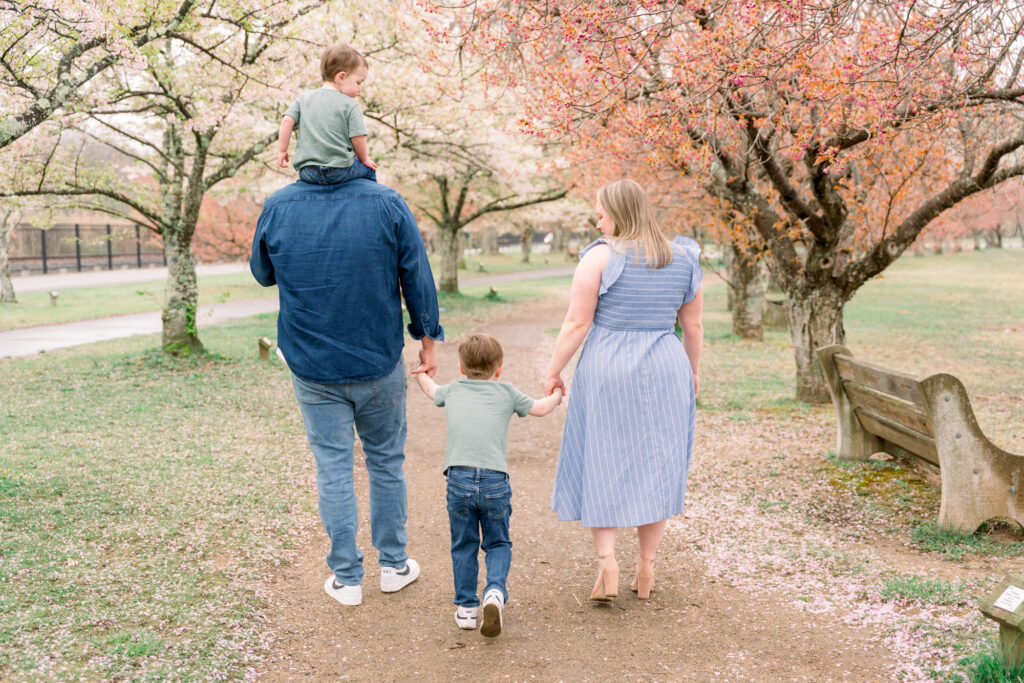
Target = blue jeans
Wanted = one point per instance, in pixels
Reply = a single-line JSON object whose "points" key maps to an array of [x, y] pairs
{"points": [[377, 409], [479, 506], [332, 175]]}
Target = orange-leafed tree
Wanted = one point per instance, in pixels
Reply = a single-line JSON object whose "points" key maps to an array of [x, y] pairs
{"points": [[838, 130]]}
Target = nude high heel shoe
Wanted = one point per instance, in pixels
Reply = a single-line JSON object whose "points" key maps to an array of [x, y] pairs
{"points": [[607, 585], [643, 582]]}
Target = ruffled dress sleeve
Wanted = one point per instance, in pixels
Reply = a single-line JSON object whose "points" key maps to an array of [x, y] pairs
{"points": [[612, 269], [691, 252]]}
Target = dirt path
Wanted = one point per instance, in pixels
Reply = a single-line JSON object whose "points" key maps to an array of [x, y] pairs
{"points": [[693, 628]]}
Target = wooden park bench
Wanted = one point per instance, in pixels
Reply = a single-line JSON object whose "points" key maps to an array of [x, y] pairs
{"points": [[879, 410]]}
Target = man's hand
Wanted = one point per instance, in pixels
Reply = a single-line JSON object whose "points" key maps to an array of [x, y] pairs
{"points": [[428, 358]]}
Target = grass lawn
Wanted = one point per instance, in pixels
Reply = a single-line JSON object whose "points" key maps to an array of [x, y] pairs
{"points": [[33, 308], [142, 497], [957, 313], [774, 511], [504, 262]]}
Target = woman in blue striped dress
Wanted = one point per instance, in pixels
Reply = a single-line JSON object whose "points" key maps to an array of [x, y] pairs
{"points": [[629, 428]]}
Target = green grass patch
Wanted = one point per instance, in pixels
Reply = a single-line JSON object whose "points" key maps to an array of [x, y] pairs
{"points": [[143, 497], [85, 303], [955, 545], [959, 313], [461, 311], [990, 665], [505, 262], [923, 590]]}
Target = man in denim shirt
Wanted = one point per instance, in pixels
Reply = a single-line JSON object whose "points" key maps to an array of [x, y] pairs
{"points": [[343, 256]]}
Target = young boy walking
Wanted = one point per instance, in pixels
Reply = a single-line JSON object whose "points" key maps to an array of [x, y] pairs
{"points": [[477, 411]]}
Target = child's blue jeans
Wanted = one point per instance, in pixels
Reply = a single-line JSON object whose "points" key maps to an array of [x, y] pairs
{"points": [[332, 175], [479, 507]]}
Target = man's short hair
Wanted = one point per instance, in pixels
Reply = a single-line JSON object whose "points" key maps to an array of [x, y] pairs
{"points": [[338, 58], [480, 356]]}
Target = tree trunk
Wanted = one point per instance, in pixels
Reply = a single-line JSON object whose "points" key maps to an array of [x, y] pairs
{"points": [[489, 242], [526, 243], [450, 253], [559, 237], [728, 261], [6, 286], [746, 284], [180, 334], [815, 320]]}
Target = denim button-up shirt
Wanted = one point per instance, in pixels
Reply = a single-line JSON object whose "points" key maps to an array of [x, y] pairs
{"points": [[338, 255]]}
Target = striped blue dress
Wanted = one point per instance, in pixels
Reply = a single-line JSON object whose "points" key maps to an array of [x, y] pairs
{"points": [[629, 428]]}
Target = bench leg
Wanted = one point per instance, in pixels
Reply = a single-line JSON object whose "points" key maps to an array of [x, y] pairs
{"points": [[852, 441]]}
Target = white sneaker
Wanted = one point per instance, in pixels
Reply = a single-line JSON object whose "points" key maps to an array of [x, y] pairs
{"points": [[346, 595], [494, 603], [392, 579], [465, 617]]}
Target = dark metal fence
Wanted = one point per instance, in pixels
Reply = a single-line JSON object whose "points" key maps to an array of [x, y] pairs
{"points": [[81, 247]]}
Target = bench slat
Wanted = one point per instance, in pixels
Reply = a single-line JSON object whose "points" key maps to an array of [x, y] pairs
{"points": [[918, 444], [880, 379], [893, 408]]}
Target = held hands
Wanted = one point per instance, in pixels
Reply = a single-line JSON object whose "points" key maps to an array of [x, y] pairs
{"points": [[428, 361], [554, 383]]}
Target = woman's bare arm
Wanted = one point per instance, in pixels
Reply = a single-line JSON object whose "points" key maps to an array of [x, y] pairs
{"points": [[586, 284], [693, 332]]}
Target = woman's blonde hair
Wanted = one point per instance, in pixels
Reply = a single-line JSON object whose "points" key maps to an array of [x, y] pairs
{"points": [[627, 205]]}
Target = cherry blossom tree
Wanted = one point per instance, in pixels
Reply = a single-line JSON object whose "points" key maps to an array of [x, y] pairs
{"points": [[838, 130], [49, 50], [448, 141], [193, 114]]}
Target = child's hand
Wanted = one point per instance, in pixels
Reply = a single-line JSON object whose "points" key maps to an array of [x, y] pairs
{"points": [[370, 164], [282, 159], [554, 382], [558, 392]]}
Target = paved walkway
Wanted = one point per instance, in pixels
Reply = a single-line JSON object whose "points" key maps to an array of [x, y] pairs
{"points": [[29, 340], [102, 278]]}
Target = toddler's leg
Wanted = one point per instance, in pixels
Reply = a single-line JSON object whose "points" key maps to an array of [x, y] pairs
{"points": [[464, 521], [361, 170], [497, 544]]}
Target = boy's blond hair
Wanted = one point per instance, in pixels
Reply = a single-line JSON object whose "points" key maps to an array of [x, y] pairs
{"points": [[629, 208], [480, 356], [338, 58]]}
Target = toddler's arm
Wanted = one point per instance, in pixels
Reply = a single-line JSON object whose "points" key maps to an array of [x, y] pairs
{"points": [[543, 406], [283, 136], [427, 384], [359, 147]]}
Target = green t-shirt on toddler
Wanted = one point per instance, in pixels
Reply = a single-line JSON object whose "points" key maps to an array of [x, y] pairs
{"points": [[477, 412], [327, 120]]}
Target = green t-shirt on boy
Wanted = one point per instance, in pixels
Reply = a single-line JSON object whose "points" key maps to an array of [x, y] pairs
{"points": [[327, 120], [477, 412]]}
